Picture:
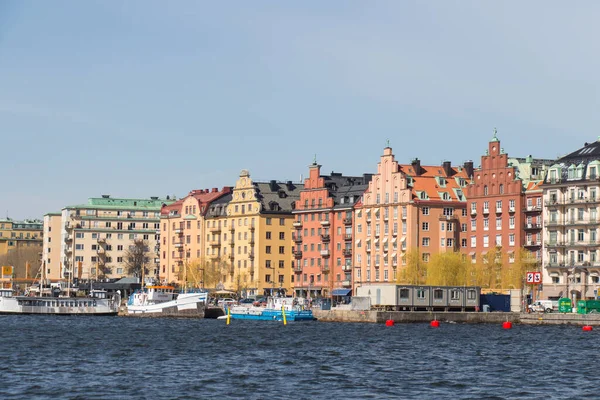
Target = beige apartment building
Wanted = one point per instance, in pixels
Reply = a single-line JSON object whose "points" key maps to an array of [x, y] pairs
{"points": [[89, 241], [16, 235]]}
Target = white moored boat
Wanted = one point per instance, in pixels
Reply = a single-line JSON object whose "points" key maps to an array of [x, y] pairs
{"points": [[164, 301], [98, 303]]}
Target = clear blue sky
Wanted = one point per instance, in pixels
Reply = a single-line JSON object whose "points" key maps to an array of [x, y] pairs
{"points": [[94, 93]]}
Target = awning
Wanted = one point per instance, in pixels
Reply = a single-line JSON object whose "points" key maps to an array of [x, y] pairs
{"points": [[483, 253], [368, 211], [403, 239], [340, 292], [393, 255], [554, 274], [384, 239], [357, 242], [471, 253], [394, 239], [376, 240]]}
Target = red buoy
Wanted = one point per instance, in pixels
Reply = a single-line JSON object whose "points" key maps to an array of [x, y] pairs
{"points": [[507, 325], [587, 328], [435, 323], [389, 322]]}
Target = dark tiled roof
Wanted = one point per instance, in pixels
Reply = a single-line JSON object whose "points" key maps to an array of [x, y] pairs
{"points": [[346, 190], [589, 152], [278, 197], [218, 208]]}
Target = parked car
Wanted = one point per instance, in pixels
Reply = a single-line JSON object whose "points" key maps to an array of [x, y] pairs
{"points": [[227, 301], [247, 301], [260, 302], [544, 306]]}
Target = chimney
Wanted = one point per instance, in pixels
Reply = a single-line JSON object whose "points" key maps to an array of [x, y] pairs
{"points": [[447, 165], [416, 164], [215, 190], [468, 165], [273, 185], [367, 178]]}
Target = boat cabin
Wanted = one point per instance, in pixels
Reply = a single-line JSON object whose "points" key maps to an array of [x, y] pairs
{"points": [[6, 293]]}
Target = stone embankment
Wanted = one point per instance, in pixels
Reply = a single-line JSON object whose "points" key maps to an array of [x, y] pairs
{"points": [[457, 317]]}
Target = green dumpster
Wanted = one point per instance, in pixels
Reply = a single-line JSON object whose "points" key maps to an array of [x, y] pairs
{"points": [[565, 305], [588, 306]]}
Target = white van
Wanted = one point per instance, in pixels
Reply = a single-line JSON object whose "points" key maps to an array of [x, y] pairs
{"points": [[543, 306]]}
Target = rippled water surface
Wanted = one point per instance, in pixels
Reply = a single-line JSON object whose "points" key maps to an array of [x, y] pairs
{"points": [[111, 357]]}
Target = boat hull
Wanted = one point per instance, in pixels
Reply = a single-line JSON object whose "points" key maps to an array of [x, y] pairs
{"points": [[272, 315], [186, 305], [57, 306]]}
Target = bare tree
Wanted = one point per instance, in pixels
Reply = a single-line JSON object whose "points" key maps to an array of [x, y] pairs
{"points": [[136, 257]]}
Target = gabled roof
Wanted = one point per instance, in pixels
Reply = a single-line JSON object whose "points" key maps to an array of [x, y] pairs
{"points": [[203, 196], [428, 181]]}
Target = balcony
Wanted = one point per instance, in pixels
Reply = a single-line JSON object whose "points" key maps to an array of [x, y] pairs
{"points": [[511, 209], [232, 228], [178, 245], [325, 253], [554, 244], [347, 252], [251, 255], [346, 268], [214, 229], [325, 269], [297, 270], [368, 249], [298, 238], [101, 240], [232, 257], [473, 211], [325, 238], [325, 222], [68, 249], [553, 203], [100, 250], [251, 240], [533, 243], [531, 209], [178, 231], [297, 224], [231, 242], [486, 210], [498, 210], [348, 221], [68, 239], [368, 219], [69, 226], [251, 271], [404, 216], [348, 237], [533, 226], [297, 254], [215, 243], [251, 228], [346, 283], [552, 223]]}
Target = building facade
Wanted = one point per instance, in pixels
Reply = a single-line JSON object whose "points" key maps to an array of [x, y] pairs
{"points": [[182, 232], [571, 193], [15, 235], [505, 204], [94, 237], [323, 238], [408, 207]]}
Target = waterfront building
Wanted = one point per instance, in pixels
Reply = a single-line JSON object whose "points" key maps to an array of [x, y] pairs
{"points": [[324, 232], [95, 237], [571, 194], [16, 235], [505, 205], [409, 207], [182, 230], [256, 236]]}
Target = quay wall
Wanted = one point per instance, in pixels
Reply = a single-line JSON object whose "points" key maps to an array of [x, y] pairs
{"points": [[413, 316], [458, 317]]}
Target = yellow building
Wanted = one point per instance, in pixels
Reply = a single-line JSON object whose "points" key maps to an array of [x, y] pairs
{"points": [[20, 235], [51, 253], [257, 235]]}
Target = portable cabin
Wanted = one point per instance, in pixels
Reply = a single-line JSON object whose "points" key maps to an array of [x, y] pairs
{"points": [[456, 298], [405, 297], [439, 297], [421, 298], [472, 297], [382, 296]]}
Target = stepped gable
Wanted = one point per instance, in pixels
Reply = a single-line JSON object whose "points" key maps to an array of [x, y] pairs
{"points": [[277, 197], [203, 196], [435, 180]]}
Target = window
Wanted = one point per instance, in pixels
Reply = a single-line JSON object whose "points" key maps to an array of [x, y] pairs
{"points": [[282, 221], [425, 241], [438, 294], [281, 235], [486, 241], [425, 210], [281, 249], [498, 240], [268, 250], [268, 221], [268, 235], [425, 226], [473, 225]]}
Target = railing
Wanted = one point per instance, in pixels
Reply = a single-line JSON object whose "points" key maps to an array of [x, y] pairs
{"points": [[346, 283], [533, 208], [325, 222], [348, 237], [297, 224], [348, 221], [533, 226], [297, 238], [297, 254], [498, 210], [325, 238], [324, 253], [347, 252], [346, 268]]}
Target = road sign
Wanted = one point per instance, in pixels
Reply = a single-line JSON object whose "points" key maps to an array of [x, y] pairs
{"points": [[534, 278], [530, 277]]}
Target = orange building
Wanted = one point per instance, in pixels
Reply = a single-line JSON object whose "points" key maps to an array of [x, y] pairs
{"points": [[182, 236], [408, 207], [324, 234]]}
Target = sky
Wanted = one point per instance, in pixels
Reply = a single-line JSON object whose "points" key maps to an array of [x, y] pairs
{"points": [[154, 98]]}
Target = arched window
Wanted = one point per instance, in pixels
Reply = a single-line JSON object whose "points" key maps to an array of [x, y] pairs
{"points": [[485, 190], [501, 188]]}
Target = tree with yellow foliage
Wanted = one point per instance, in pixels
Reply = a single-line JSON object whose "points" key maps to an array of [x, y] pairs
{"points": [[414, 270], [447, 269]]}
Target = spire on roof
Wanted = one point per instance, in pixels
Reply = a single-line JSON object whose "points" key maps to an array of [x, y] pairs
{"points": [[495, 138]]}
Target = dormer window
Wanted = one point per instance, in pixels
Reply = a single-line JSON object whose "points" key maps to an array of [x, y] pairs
{"points": [[571, 172], [593, 173]]}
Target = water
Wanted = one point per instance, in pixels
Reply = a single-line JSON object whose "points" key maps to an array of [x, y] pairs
{"points": [[46, 357]]}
